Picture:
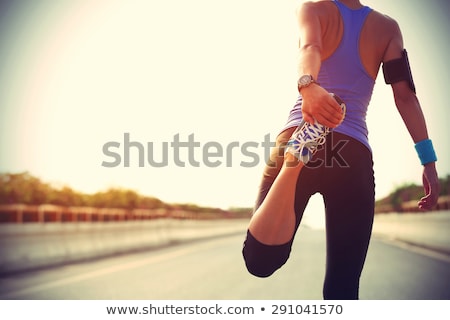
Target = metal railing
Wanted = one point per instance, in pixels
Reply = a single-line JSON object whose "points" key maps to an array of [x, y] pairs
{"points": [[21, 213]]}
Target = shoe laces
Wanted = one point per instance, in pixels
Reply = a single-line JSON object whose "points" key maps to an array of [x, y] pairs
{"points": [[306, 139]]}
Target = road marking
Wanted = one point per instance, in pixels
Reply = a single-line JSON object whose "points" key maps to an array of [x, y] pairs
{"points": [[113, 269], [414, 248]]}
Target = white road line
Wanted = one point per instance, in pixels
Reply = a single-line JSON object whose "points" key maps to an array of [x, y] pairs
{"points": [[414, 248]]}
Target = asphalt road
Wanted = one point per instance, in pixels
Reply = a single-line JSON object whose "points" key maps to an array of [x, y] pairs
{"points": [[214, 270]]}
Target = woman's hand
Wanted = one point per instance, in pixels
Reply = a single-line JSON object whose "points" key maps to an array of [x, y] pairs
{"points": [[318, 104], [431, 187]]}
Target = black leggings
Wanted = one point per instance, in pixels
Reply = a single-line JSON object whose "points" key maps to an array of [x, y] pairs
{"points": [[342, 171]]}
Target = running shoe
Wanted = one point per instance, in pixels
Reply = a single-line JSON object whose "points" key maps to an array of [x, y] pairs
{"points": [[308, 137]]}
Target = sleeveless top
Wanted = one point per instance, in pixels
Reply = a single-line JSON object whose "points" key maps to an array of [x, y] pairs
{"points": [[344, 74]]}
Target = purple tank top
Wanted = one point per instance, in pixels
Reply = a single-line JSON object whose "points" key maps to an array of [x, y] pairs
{"points": [[344, 74]]}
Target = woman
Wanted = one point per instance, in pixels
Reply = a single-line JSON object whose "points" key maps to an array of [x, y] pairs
{"points": [[342, 46]]}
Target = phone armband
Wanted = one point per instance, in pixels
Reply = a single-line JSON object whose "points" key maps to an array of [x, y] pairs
{"points": [[399, 70]]}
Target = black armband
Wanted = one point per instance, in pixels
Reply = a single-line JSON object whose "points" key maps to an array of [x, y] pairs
{"points": [[398, 70]]}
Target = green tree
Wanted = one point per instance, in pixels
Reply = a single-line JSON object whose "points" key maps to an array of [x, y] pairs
{"points": [[23, 188]]}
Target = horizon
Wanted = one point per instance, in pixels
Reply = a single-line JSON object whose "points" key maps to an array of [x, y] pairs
{"points": [[61, 187]]}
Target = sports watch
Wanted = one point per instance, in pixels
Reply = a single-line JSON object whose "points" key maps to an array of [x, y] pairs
{"points": [[305, 81]]}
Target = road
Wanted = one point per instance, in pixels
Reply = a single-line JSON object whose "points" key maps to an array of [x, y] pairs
{"points": [[214, 270]]}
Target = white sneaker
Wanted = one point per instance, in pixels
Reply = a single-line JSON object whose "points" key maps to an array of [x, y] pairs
{"points": [[308, 137]]}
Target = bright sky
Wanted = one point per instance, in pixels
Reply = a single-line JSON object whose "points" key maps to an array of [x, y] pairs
{"points": [[75, 75]]}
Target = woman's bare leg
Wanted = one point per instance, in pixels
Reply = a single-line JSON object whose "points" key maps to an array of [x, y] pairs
{"points": [[274, 221]]}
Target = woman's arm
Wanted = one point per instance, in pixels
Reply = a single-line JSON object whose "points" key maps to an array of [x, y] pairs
{"points": [[317, 102], [410, 110]]}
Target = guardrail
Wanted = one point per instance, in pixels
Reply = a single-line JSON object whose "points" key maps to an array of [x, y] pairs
{"points": [[21, 213], [46, 235]]}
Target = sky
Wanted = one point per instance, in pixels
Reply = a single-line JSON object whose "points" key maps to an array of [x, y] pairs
{"points": [[196, 88]]}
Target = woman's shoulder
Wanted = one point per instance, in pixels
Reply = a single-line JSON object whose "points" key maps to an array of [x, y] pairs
{"points": [[318, 7], [384, 21]]}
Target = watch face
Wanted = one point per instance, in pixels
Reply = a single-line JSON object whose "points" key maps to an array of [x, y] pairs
{"points": [[305, 80]]}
